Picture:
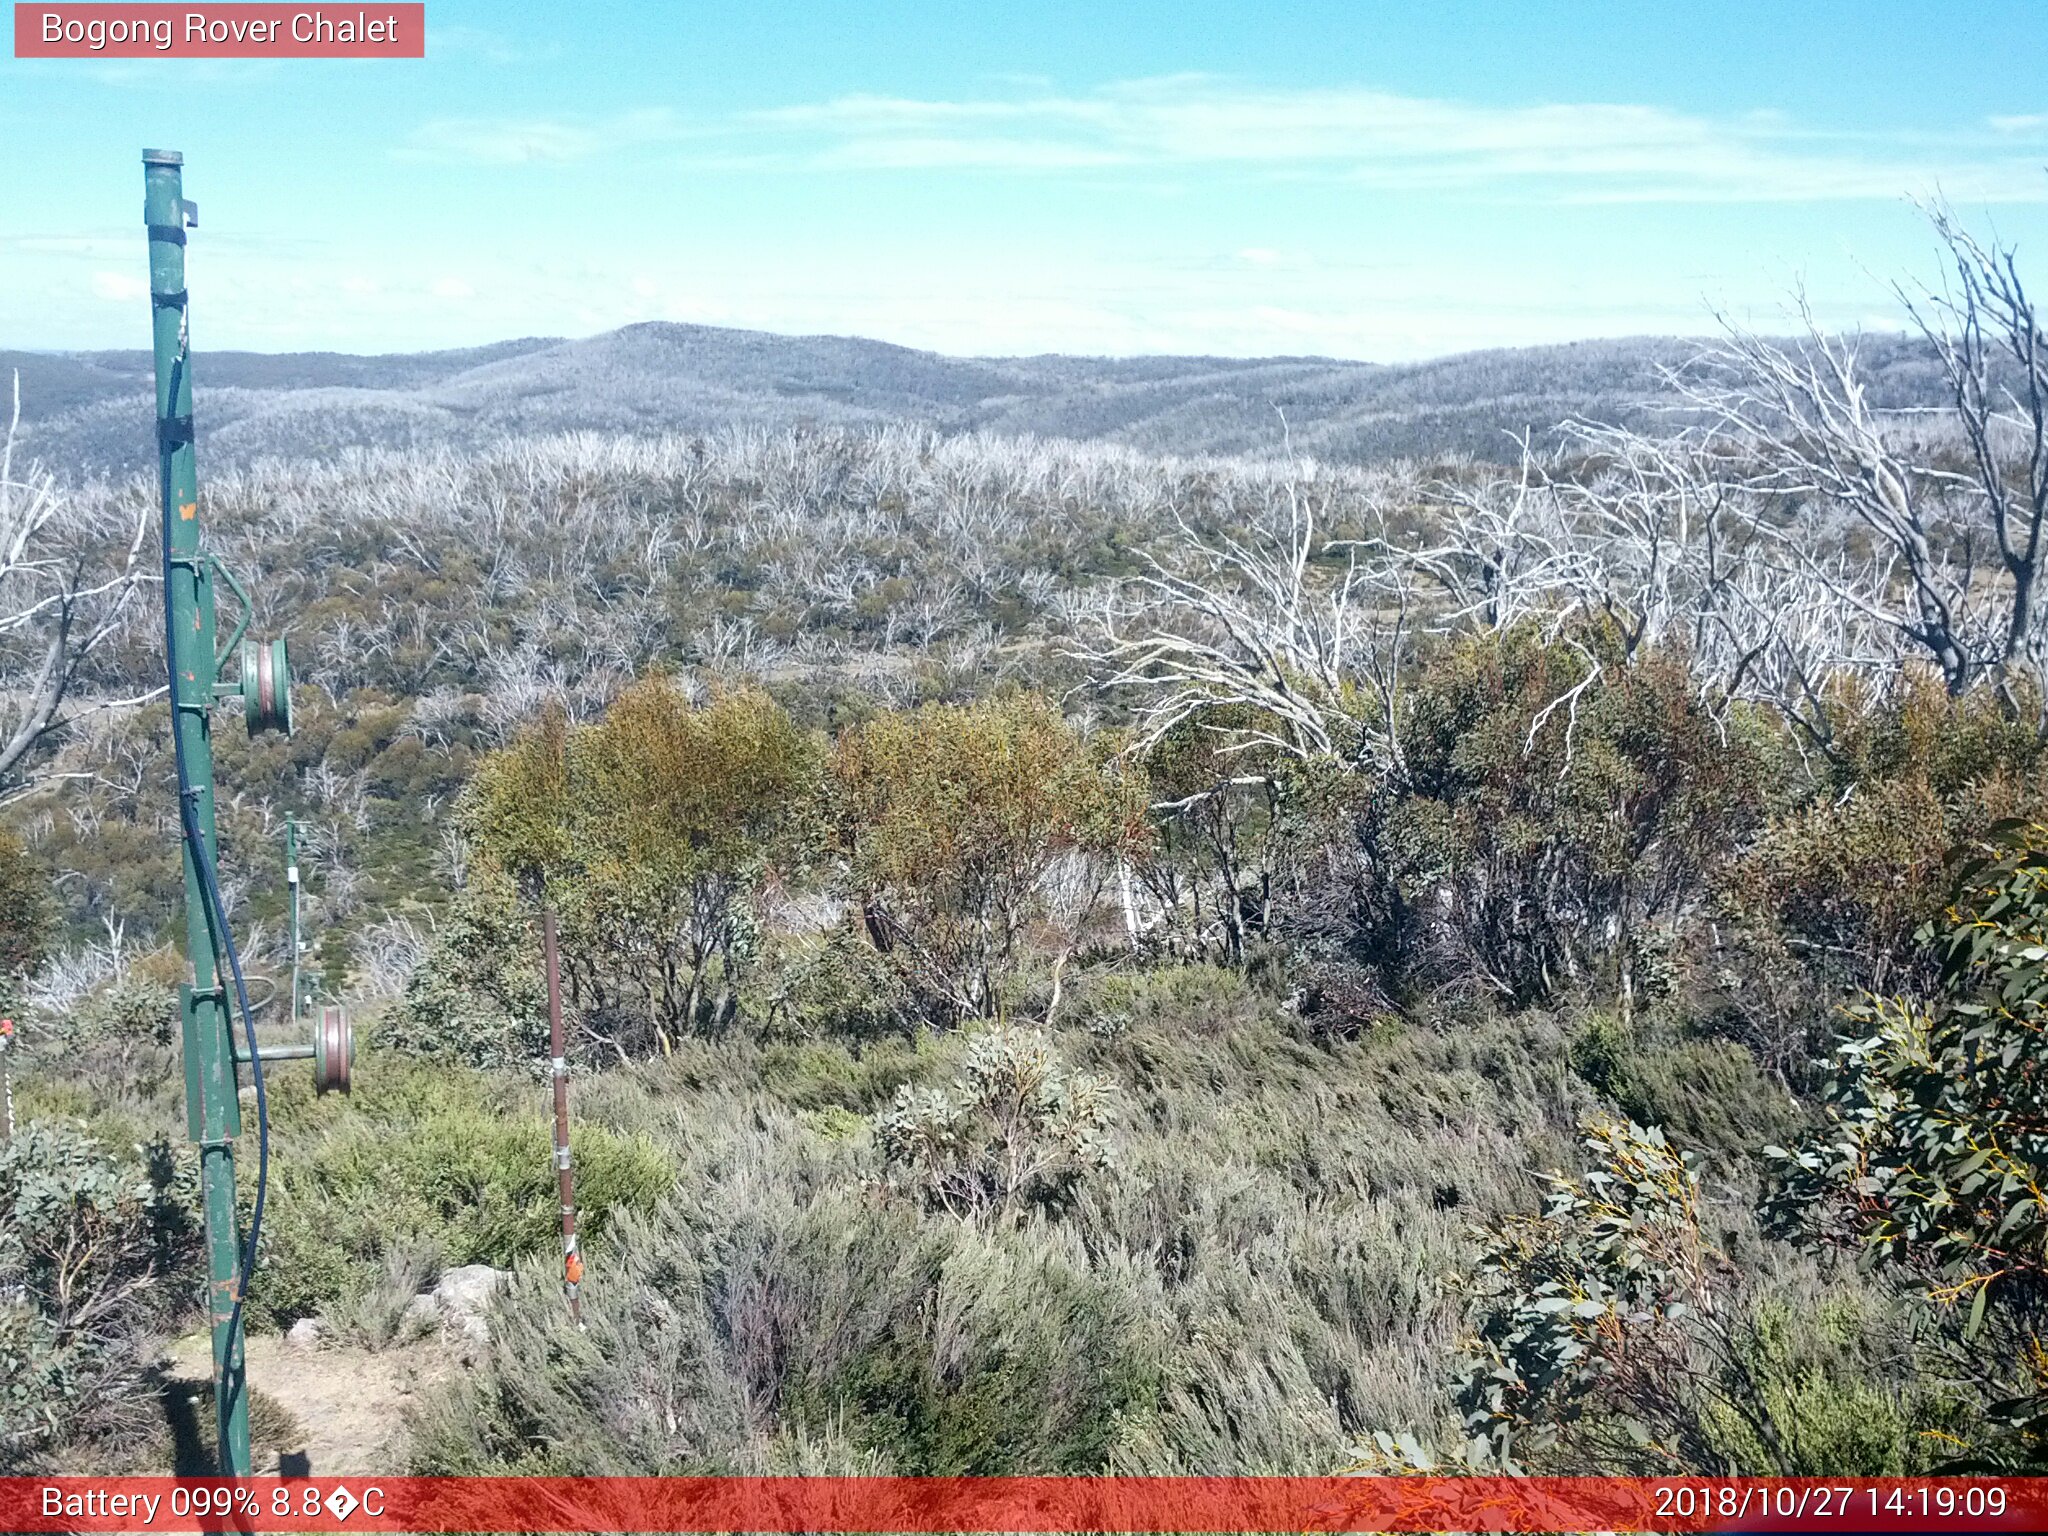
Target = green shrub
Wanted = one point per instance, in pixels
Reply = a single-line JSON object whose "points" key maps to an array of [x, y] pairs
{"points": [[1709, 1095], [94, 1254], [425, 1155], [478, 996], [27, 915], [1236, 824], [121, 1039], [1817, 1402], [1017, 1133], [919, 1347], [651, 831], [826, 1073], [1932, 1159], [1194, 998], [840, 988], [1849, 877], [1558, 803], [1612, 1336], [951, 818]]}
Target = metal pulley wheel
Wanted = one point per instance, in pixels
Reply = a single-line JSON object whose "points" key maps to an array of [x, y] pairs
{"points": [[267, 686], [334, 1050]]}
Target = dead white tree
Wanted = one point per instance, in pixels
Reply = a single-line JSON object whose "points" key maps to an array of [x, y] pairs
{"points": [[1500, 550], [1302, 635], [66, 574], [1984, 329], [1957, 535]]}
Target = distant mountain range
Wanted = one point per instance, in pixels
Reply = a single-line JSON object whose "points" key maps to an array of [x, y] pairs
{"points": [[88, 412]]}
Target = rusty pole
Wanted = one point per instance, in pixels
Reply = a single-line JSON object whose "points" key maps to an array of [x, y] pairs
{"points": [[558, 1067]]}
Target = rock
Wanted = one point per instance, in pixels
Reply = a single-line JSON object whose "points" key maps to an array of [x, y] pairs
{"points": [[457, 1303], [306, 1333], [467, 1290]]}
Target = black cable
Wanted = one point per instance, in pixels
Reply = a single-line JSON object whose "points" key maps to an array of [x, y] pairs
{"points": [[203, 863]]}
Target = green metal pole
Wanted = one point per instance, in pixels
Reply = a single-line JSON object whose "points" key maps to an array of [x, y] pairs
{"points": [[212, 1111], [291, 877]]}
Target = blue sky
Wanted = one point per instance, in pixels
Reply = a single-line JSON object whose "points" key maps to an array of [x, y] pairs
{"points": [[1358, 179]]}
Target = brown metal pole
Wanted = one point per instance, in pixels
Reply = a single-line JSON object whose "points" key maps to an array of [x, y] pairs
{"points": [[558, 1066]]}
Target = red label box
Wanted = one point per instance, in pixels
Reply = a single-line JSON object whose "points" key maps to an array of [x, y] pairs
{"points": [[113, 31]]}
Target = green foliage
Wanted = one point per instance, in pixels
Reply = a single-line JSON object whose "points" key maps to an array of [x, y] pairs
{"points": [[1018, 1132], [1708, 1094], [831, 1074], [1251, 1285], [518, 810], [1557, 801], [1934, 1158], [1584, 1297], [478, 996], [425, 1153], [1811, 1403], [1188, 999], [1047, 1386], [26, 912], [841, 987], [1236, 824], [871, 1340], [1612, 1337], [951, 818], [1850, 877], [93, 1255], [651, 832], [108, 1064]]}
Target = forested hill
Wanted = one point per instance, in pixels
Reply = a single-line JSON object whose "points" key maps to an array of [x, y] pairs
{"points": [[87, 412]]}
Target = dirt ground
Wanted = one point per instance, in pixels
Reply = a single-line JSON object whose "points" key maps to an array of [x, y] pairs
{"points": [[344, 1408]]}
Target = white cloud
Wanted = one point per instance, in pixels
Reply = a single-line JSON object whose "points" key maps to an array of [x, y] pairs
{"points": [[124, 287], [522, 141], [1557, 151], [1565, 151], [491, 142]]}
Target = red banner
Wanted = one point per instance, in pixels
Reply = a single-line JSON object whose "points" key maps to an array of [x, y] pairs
{"points": [[1023, 1504], [374, 31]]}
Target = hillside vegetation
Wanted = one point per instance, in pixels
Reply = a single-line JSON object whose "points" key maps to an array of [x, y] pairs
{"points": [[1081, 960], [84, 409]]}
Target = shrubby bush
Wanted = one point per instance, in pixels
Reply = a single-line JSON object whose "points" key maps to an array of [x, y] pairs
{"points": [[836, 986], [427, 1153], [1611, 1337], [832, 1335], [1708, 1094], [95, 1254], [651, 832], [1237, 828], [107, 1061], [1848, 877], [1017, 1132], [969, 830], [478, 997], [1549, 817], [27, 915], [1932, 1158]]}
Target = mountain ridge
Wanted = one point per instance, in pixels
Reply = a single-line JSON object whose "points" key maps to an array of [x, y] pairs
{"points": [[87, 412]]}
